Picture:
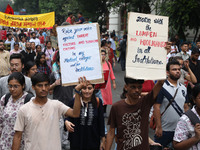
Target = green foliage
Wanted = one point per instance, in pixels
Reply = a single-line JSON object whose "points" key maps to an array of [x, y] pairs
{"points": [[32, 7], [3, 4], [142, 6], [183, 14]]}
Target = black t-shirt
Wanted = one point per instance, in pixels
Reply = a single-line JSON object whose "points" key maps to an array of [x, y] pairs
{"points": [[195, 69], [61, 93], [28, 56], [89, 127]]}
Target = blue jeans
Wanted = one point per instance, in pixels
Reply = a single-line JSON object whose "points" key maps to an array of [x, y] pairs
{"points": [[167, 138]]}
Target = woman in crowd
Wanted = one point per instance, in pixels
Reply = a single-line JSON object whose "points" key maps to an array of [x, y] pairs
{"points": [[9, 106], [88, 131], [30, 69], [42, 64], [111, 56], [48, 50], [38, 49], [109, 75], [16, 49]]}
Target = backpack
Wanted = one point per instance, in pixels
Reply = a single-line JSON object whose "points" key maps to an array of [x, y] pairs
{"points": [[193, 118], [27, 98]]}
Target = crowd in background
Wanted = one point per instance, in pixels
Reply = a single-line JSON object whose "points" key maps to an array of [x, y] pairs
{"points": [[29, 53]]}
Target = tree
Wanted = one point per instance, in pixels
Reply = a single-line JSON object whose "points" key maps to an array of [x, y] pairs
{"points": [[32, 7], [4, 4], [183, 14]]}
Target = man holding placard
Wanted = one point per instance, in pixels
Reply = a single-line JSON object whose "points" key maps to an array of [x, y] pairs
{"points": [[130, 117], [145, 59]]}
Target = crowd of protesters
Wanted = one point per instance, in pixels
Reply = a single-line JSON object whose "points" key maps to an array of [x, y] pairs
{"points": [[30, 73]]}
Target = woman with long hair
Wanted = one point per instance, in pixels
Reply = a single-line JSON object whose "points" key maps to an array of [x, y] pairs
{"points": [[106, 92], [42, 64], [88, 131]]}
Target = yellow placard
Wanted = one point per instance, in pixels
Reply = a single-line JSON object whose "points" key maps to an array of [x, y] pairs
{"points": [[28, 21]]}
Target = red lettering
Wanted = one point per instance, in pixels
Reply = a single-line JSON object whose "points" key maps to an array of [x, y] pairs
{"points": [[82, 35], [81, 42], [69, 44], [152, 43], [4, 22], [69, 48], [16, 24], [146, 33]]}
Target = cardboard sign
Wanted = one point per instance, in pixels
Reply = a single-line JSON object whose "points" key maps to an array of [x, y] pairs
{"points": [[28, 21], [79, 47], [146, 56]]}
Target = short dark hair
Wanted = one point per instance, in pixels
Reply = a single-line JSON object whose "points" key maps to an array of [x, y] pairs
{"points": [[109, 42], [103, 43], [195, 50], [39, 77], [1, 40], [173, 62], [184, 43], [176, 58], [8, 34], [104, 51], [19, 77], [198, 40], [28, 66], [16, 43], [47, 42], [69, 13], [128, 80], [32, 33], [80, 13], [38, 46], [17, 56], [107, 35], [196, 90], [124, 36], [112, 35]]}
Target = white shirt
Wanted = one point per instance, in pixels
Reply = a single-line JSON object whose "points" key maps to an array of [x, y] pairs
{"points": [[40, 124], [11, 43], [113, 46], [36, 41]]}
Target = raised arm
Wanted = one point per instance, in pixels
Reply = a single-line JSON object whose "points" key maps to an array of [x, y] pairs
{"points": [[190, 77], [75, 112], [157, 87]]}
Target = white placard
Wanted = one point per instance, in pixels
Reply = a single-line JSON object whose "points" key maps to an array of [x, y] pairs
{"points": [[146, 56], [79, 47]]}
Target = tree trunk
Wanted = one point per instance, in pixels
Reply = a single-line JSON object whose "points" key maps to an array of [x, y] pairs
{"points": [[181, 34], [197, 30]]}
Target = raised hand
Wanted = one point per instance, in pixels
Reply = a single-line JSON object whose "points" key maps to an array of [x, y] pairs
{"points": [[83, 82]]}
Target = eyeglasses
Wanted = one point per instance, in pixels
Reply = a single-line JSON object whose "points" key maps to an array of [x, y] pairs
{"points": [[13, 86]]}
